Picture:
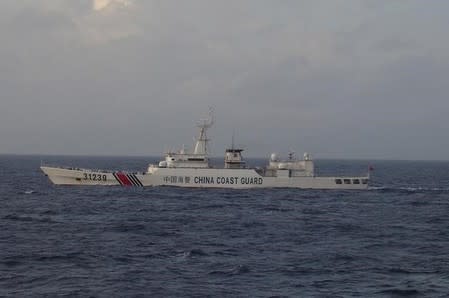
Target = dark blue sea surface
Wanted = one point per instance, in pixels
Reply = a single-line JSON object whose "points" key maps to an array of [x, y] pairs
{"points": [[389, 241]]}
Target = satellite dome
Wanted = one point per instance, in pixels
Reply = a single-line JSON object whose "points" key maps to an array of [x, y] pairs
{"points": [[274, 157]]}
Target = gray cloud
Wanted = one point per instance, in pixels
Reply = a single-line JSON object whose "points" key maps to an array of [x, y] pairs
{"points": [[341, 79]]}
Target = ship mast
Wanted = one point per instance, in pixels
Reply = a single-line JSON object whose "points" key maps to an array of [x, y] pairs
{"points": [[201, 142]]}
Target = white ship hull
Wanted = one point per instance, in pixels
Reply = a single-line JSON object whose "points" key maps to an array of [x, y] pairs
{"points": [[203, 178]]}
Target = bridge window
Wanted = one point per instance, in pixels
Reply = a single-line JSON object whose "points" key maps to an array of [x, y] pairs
{"points": [[347, 181], [356, 181], [338, 181]]}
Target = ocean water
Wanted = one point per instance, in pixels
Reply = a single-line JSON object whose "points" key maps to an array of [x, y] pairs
{"points": [[389, 241]]}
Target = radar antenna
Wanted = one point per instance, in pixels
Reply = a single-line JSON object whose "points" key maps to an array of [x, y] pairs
{"points": [[291, 155], [206, 123]]}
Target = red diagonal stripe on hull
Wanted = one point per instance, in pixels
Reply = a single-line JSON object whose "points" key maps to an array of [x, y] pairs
{"points": [[123, 179]]}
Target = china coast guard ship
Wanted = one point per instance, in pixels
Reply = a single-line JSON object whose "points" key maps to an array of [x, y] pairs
{"points": [[192, 169]]}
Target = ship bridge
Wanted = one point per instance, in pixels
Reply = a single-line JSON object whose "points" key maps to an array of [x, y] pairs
{"points": [[196, 159]]}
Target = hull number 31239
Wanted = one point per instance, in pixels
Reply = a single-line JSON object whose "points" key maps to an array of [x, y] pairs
{"points": [[94, 177]]}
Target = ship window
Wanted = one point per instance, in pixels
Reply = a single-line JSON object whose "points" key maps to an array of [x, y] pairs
{"points": [[364, 181], [236, 155], [356, 181], [347, 181], [195, 159], [337, 181]]}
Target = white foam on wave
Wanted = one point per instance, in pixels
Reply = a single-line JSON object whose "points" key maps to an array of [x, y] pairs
{"points": [[409, 188]]}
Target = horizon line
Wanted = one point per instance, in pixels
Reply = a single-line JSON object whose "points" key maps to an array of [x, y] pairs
{"points": [[213, 157]]}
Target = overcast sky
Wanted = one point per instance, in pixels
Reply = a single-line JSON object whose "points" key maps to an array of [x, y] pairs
{"points": [[339, 79]]}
